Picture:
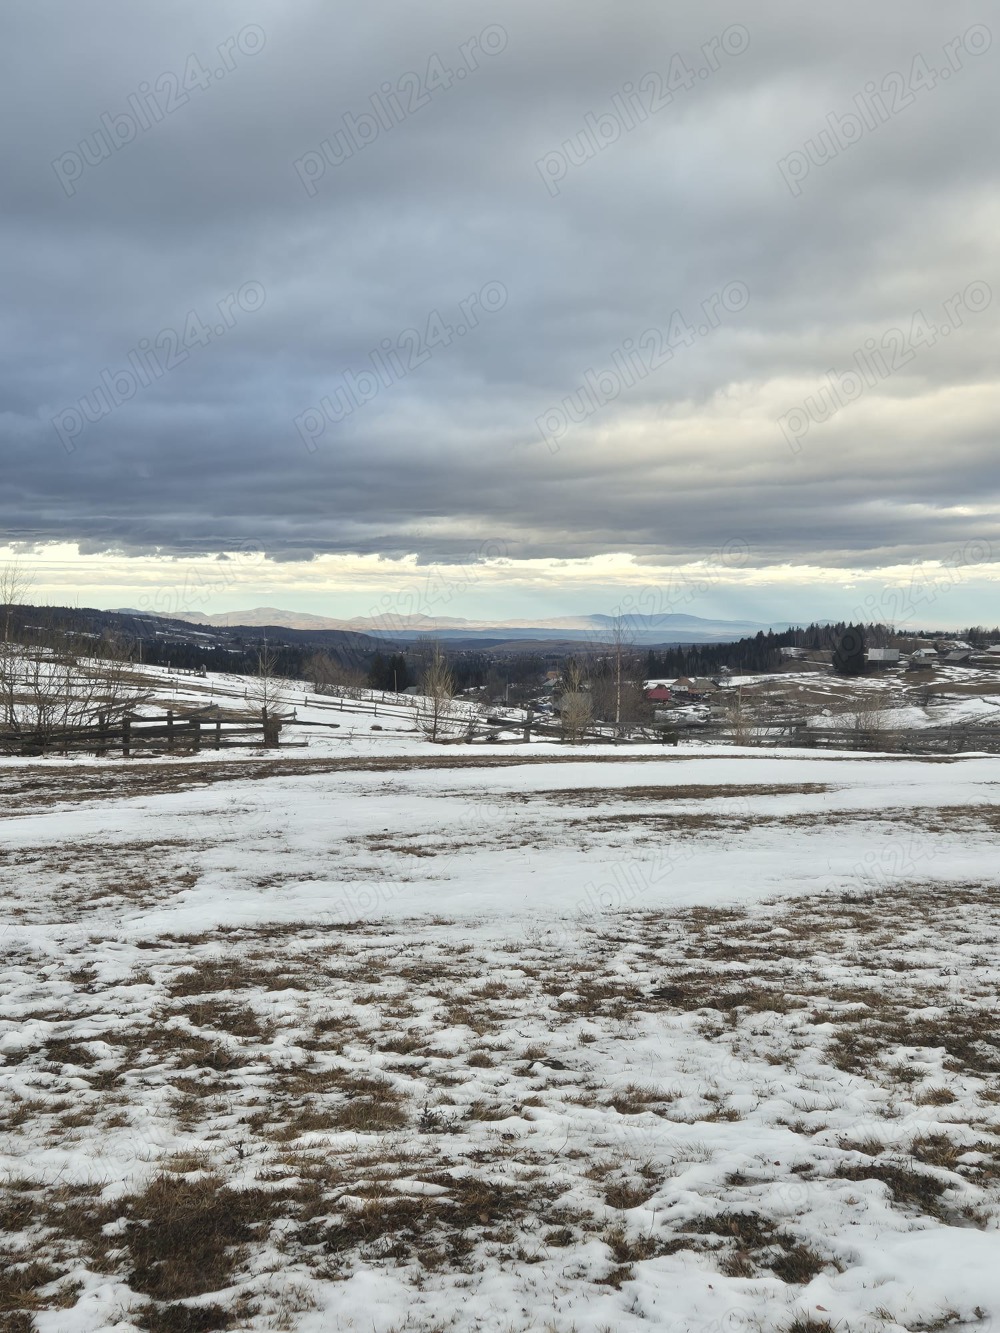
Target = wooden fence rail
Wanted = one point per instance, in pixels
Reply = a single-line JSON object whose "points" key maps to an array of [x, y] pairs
{"points": [[915, 740], [131, 733]]}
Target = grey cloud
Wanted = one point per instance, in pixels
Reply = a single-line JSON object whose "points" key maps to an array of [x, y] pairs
{"points": [[208, 200]]}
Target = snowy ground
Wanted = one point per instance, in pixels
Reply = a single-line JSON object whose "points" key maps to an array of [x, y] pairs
{"points": [[381, 1035], [943, 696]]}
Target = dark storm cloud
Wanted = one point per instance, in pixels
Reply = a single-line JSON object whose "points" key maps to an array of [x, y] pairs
{"points": [[222, 227]]}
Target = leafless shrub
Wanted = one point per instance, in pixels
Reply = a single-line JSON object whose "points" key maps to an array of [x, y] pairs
{"points": [[870, 720]]}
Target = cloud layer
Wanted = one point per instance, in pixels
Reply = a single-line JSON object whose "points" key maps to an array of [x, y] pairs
{"points": [[576, 278]]}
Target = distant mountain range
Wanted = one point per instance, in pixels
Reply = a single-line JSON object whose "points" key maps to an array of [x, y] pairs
{"points": [[672, 628], [143, 626]]}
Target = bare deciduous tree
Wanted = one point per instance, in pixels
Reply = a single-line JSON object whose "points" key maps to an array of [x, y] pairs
{"points": [[436, 712], [575, 705], [622, 649], [15, 581], [618, 687], [329, 675], [870, 720], [47, 694], [267, 689], [625, 699], [575, 709], [320, 669], [267, 692], [739, 719]]}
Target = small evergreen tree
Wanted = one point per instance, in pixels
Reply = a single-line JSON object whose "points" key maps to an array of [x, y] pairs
{"points": [[379, 674], [397, 673], [849, 654]]}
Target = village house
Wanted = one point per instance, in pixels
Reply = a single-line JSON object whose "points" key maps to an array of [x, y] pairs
{"points": [[883, 657]]}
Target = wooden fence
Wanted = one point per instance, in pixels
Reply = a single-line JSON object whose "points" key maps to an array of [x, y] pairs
{"points": [[915, 740], [180, 732], [489, 724]]}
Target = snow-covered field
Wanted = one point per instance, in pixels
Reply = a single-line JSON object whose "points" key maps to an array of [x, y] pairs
{"points": [[384, 1035], [942, 697]]}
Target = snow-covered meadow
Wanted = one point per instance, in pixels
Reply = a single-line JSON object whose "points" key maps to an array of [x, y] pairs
{"points": [[380, 1035]]}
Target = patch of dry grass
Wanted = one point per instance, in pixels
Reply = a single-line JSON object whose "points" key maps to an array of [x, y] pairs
{"points": [[326, 1132], [694, 791]]}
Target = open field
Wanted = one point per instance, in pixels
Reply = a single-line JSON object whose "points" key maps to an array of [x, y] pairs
{"points": [[384, 1036], [940, 697]]}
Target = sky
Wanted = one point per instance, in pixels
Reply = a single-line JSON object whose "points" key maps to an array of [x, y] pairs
{"points": [[503, 310]]}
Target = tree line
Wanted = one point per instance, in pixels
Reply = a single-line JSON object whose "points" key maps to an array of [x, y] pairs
{"points": [[762, 652]]}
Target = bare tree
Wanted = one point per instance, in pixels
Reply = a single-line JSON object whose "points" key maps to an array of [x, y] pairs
{"points": [[575, 710], [15, 583], [622, 649], [575, 704], [739, 718], [45, 690], [328, 675], [267, 689], [267, 692], [117, 688], [320, 669], [624, 699], [53, 694], [436, 713], [617, 681], [573, 675], [870, 720]]}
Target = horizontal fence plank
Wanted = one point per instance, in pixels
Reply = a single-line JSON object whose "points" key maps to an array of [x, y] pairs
{"points": [[166, 733]]}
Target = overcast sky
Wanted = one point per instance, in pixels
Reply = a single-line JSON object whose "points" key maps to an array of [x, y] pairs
{"points": [[347, 293]]}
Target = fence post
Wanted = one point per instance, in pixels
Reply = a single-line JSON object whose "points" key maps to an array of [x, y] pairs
{"points": [[218, 735], [196, 727], [527, 724], [170, 729], [126, 737]]}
